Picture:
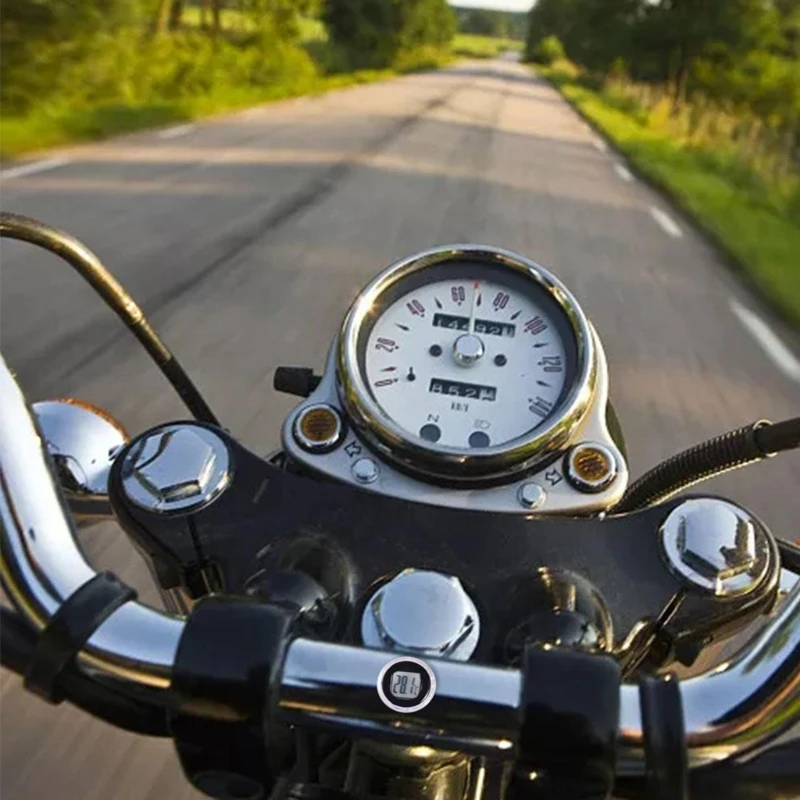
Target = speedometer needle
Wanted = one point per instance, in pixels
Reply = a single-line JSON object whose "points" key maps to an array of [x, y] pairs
{"points": [[475, 295]]}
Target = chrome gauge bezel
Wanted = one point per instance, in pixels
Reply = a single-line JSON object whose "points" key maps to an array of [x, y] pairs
{"points": [[456, 463]]}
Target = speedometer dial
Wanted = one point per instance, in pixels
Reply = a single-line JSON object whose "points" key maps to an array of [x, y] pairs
{"points": [[466, 362]]}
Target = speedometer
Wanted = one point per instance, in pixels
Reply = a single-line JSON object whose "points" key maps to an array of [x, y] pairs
{"points": [[466, 362]]}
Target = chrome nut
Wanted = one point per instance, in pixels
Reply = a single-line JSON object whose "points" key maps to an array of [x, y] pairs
{"points": [[425, 613], [717, 542], [178, 467], [716, 546]]}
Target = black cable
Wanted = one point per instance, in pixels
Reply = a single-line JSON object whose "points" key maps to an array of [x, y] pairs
{"points": [[729, 451], [89, 267], [17, 644], [790, 555], [777, 436]]}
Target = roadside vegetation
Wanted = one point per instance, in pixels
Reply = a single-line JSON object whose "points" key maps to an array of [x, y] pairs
{"points": [[77, 71], [472, 45], [495, 24], [486, 33], [705, 103]]}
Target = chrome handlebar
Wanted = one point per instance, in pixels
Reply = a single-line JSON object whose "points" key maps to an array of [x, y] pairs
{"points": [[727, 710]]}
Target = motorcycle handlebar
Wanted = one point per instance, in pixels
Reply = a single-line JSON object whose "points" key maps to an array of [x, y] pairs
{"points": [[727, 710]]}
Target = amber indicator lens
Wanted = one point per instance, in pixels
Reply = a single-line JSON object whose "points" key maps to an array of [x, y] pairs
{"points": [[318, 428], [590, 467], [319, 424], [591, 464]]}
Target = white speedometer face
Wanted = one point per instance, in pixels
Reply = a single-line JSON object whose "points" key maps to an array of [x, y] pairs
{"points": [[466, 363], [471, 362]]}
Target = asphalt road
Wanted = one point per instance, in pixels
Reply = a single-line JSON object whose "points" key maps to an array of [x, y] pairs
{"points": [[245, 237]]}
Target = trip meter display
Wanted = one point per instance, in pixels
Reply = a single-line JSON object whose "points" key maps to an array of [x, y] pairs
{"points": [[466, 363]]}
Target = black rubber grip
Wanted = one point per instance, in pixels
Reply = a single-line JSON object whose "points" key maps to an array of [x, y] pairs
{"points": [[664, 738], [81, 614], [570, 718], [224, 682]]}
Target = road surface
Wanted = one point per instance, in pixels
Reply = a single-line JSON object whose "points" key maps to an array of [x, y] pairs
{"points": [[245, 238]]}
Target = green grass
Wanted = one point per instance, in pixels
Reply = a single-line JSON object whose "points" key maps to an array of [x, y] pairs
{"points": [[41, 130], [470, 45], [757, 230], [59, 127]]}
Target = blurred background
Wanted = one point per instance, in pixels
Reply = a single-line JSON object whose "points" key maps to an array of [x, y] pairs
{"points": [[245, 166]]}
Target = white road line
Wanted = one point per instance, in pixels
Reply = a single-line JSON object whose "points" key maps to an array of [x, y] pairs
{"points": [[666, 222], [33, 168], [783, 358], [172, 133], [623, 172], [601, 146]]}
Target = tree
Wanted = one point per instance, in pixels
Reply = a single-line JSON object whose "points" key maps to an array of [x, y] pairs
{"points": [[719, 31], [664, 40], [175, 15], [283, 15], [483, 22], [376, 32], [38, 39], [552, 18]]}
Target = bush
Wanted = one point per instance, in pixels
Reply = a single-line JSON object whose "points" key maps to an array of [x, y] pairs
{"points": [[547, 51], [130, 67]]}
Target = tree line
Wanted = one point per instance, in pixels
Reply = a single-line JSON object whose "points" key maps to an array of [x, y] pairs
{"points": [[72, 52], [490, 22], [742, 55]]}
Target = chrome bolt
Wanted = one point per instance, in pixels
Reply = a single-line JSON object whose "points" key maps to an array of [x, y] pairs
{"points": [[365, 470], [422, 612], [531, 495], [716, 546], [176, 468], [467, 349], [727, 552]]}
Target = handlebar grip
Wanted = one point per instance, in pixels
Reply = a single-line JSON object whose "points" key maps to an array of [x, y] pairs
{"points": [[228, 662], [664, 737], [68, 630], [570, 715], [17, 644]]}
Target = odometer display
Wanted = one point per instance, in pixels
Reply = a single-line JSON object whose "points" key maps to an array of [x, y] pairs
{"points": [[459, 389]]}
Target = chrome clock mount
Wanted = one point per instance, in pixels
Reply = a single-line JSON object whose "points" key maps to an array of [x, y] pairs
{"points": [[465, 376]]}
